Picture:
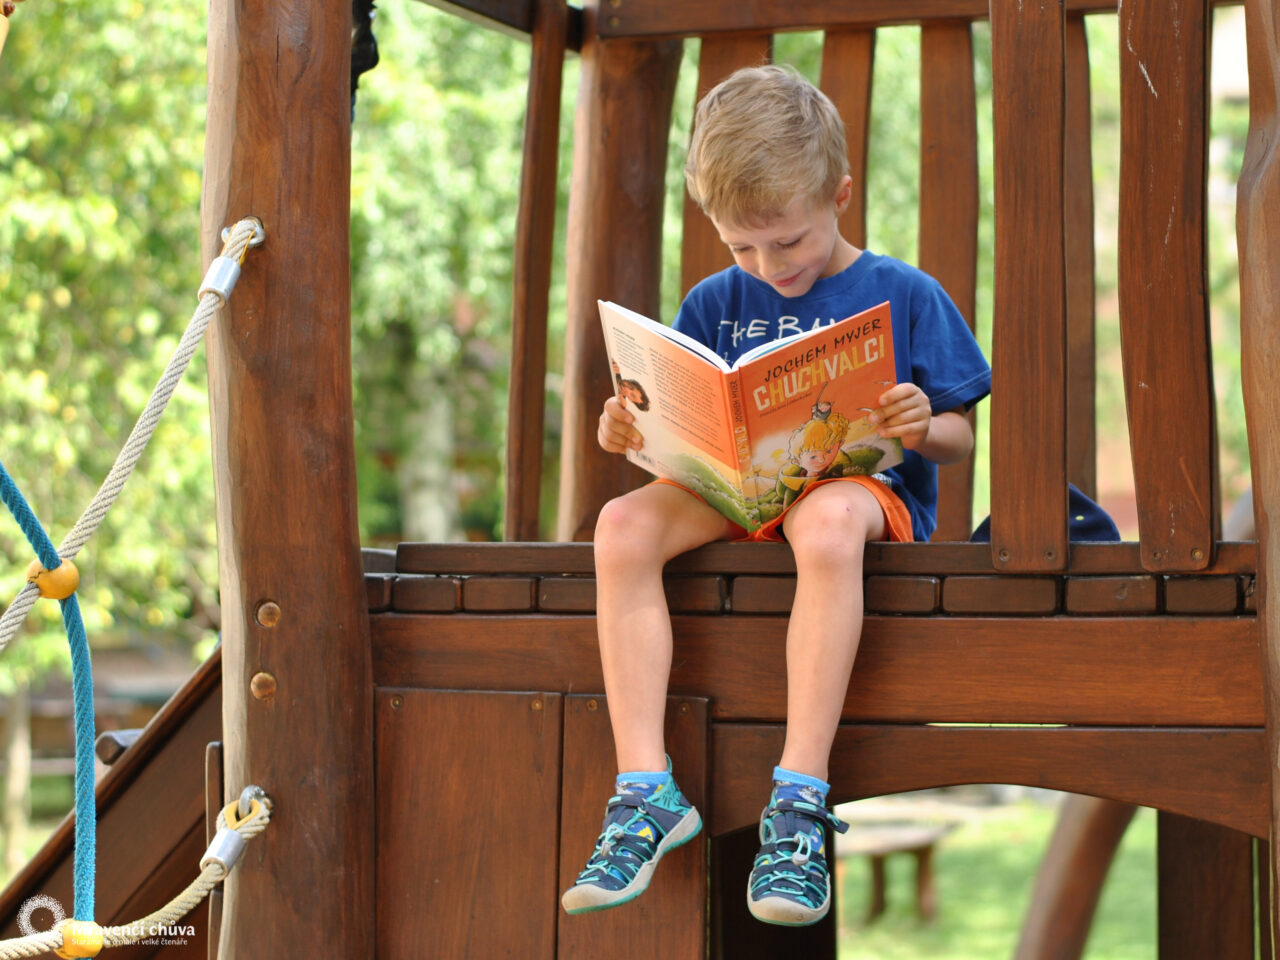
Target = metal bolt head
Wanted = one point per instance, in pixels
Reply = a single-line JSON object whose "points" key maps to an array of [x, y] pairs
{"points": [[268, 613], [263, 685], [592, 705], [614, 22], [536, 705], [1197, 554], [684, 708], [397, 702], [1004, 556]]}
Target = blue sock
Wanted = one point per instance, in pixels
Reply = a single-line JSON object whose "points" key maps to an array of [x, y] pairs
{"points": [[790, 785], [642, 782]]}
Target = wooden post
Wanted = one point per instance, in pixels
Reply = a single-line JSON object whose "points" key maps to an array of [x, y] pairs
{"points": [[1258, 239], [297, 690], [614, 245]]}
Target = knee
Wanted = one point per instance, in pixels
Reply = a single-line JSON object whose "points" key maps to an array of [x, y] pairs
{"points": [[831, 532], [626, 535]]}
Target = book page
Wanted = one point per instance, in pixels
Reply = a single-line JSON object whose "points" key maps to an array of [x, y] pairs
{"points": [[678, 399], [806, 404]]}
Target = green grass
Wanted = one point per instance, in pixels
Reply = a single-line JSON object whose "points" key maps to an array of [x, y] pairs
{"points": [[984, 873]]}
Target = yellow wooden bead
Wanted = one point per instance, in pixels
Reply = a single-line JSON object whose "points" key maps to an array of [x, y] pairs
{"points": [[54, 584], [80, 938]]}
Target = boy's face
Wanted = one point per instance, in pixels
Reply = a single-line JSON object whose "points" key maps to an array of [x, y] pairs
{"points": [[800, 247]]}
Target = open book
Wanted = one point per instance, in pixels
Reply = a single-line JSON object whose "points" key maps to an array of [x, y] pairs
{"points": [[750, 438]]}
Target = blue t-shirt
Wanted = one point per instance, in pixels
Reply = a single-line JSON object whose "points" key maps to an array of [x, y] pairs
{"points": [[731, 312]]}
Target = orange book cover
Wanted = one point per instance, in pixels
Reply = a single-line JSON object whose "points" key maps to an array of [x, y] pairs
{"points": [[751, 437]]}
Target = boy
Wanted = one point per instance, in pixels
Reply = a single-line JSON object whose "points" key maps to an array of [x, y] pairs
{"points": [[767, 163]]}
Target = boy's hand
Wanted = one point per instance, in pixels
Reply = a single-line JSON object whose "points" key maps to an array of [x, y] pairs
{"points": [[617, 430], [904, 413]]}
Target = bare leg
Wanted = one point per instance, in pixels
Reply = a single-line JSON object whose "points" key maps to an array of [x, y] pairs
{"points": [[636, 535], [828, 531]]}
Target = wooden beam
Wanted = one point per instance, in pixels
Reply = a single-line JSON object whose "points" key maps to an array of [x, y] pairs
{"points": [[278, 147], [535, 229], [613, 249], [1029, 335], [1258, 240], [1215, 775], [949, 215], [1204, 897], [1163, 279], [683, 18], [1082, 427], [1165, 671], [701, 252]]}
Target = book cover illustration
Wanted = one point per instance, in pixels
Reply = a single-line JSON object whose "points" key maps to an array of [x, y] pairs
{"points": [[750, 439]]}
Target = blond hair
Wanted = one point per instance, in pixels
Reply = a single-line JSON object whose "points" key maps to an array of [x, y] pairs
{"points": [[761, 138], [819, 434]]}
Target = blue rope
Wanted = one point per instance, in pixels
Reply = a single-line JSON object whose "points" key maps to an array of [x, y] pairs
{"points": [[85, 862]]}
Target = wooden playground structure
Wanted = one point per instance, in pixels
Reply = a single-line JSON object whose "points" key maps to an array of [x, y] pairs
{"points": [[382, 701]]}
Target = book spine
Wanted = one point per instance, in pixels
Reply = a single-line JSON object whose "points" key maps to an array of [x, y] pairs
{"points": [[738, 421]]}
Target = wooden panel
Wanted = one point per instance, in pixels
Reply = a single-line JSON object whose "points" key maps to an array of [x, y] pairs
{"points": [[1082, 454], [567, 595], [763, 594], [1153, 670], [1028, 480], [735, 934], [278, 146], [189, 936], [1205, 891], [619, 170], [670, 919], [701, 251], [1164, 329], [426, 594], [1000, 595], [689, 17], [949, 214], [377, 588], [1070, 878], [498, 593], [1258, 241], [443, 877], [775, 558], [1201, 595], [1102, 595], [695, 594], [1217, 775], [535, 229], [902, 594], [848, 57]]}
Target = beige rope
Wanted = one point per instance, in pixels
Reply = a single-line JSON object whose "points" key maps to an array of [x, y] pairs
{"points": [[151, 925]]}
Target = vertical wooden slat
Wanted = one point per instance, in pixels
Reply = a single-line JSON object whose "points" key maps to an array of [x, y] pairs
{"points": [[848, 58], [949, 214], [701, 252], [214, 791], [535, 225], [670, 918], [1258, 241], [613, 248], [1028, 397], [278, 146], [1082, 429], [468, 799], [1164, 316], [1204, 896]]}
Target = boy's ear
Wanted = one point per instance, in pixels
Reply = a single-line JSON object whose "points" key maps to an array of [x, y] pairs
{"points": [[844, 193]]}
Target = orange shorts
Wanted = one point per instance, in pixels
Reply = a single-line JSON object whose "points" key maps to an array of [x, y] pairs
{"points": [[897, 520]]}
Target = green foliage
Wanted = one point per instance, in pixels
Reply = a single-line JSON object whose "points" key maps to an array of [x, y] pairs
{"points": [[103, 110]]}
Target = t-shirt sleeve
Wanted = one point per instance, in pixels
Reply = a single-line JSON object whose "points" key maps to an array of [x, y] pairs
{"points": [[946, 361]]}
